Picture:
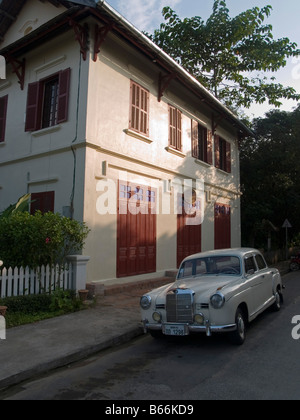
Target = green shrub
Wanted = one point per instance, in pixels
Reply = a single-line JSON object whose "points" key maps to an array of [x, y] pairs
{"points": [[39, 239], [29, 304], [64, 300]]}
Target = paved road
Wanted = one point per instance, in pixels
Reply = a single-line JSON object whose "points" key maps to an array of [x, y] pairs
{"points": [[186, 369]]}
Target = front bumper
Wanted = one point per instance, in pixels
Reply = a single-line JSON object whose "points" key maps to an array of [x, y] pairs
{"points": [[206, 328]]}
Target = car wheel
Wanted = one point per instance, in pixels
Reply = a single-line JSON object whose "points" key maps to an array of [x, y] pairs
{"points": [[294, 267], [277, 305], [238, 337]]}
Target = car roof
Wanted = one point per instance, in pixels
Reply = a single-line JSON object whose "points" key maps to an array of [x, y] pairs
{"points": [[238, 252]]}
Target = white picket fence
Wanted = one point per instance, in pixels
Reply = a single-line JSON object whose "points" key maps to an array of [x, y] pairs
{"points": [[24, 281]]}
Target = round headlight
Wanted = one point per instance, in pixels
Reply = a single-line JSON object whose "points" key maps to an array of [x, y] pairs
{"points": [[217, 301], [156, 317], [145, 302], [199, 319]]}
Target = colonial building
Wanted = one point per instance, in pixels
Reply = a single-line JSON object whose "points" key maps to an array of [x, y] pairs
{"points": [[99, 124]]}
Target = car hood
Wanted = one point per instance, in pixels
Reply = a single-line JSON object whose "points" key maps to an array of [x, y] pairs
{"points": [[203, 287]]}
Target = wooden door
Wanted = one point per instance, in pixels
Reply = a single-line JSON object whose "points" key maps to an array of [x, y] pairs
{"points": [[222, 226], [188, 236], [136, 241]]}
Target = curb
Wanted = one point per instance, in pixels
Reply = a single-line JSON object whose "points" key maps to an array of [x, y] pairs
{"points": [[70, 358]]}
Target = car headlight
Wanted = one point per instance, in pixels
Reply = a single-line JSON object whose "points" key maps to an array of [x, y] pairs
{"points": [[199, 319], [157, 317], [145, 302], [217, 301]]}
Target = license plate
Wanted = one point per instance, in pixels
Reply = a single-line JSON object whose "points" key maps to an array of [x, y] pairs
{"points": [[177, 330]]}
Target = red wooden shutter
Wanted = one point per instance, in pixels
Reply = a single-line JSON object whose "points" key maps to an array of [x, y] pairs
{"points": [[3, 110], [217, 152], [63, 95], [178, 131], [172, 126], [139, 114], [228, 157], [209, 147], [195, 141], [33, 108]]}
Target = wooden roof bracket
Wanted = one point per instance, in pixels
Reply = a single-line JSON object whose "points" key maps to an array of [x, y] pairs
{"points": [[18, 67], [81, 35], [100, 36], [163, 83]]}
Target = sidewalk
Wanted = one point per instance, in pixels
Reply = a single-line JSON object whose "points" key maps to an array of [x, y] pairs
{"points": [[30, 350], [34, 349]]}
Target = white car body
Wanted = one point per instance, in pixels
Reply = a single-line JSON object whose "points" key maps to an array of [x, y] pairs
{"points": [[238, 288]]}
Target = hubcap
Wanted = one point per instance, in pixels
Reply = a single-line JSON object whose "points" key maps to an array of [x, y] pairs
{"points": [[278, 303], [241, 326]]}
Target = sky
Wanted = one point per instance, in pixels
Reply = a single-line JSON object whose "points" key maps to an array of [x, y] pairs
{"points": [[285, 17]]}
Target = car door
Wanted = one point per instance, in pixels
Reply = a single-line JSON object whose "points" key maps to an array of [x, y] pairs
{"points": [[266, 276], [254, 281]]}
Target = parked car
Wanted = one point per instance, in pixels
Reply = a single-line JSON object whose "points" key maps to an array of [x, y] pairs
{"points": [[216, 291], [295, 263]]}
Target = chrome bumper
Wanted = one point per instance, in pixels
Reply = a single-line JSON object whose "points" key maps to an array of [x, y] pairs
{"points": [[207, 328]]}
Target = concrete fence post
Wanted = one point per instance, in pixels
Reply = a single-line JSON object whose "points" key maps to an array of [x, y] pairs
{"points": [[79, 265]]}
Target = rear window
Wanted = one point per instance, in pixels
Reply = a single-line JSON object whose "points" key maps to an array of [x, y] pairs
{"points": [[260, 262]]}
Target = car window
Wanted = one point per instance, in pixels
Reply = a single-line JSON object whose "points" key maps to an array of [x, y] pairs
{"points": [[218, 265], [260, 262], [250, 265]]}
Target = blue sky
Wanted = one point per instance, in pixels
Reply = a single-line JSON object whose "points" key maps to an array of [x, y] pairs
{"points": [[285, 17]]}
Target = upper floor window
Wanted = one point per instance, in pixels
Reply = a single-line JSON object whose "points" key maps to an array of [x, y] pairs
{"points": [[3, 110], [47, 101], [222, 154], [175, 129], [139, 115], [201, 143]]}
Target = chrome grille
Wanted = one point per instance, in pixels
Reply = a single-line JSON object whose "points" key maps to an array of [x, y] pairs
{"points": [[179, 307]]}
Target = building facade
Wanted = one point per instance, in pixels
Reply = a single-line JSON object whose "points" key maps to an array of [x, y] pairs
{"points": [[99, 124]]}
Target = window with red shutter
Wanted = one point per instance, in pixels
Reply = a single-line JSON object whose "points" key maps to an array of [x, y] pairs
{"points": [[175, 128], [63, 95], [139, 113], [3, 111], [47, 101], [43, 201], [222, 154], [33, 107], [201, 143]]}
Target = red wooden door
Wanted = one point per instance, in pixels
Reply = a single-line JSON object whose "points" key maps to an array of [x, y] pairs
{"points": [[136, 240], [188, 236], [222, 226]]}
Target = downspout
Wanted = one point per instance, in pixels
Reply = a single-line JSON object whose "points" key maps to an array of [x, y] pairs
{"points": [[73, 149]]}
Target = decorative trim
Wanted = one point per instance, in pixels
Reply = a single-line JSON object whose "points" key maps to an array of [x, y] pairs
{"points": [[202, 163], [175, 152], [43, 181], [50, 64], [138, 136], [45, 131], [5, 85]]}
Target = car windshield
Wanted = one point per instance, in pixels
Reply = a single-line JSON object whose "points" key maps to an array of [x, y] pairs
{"points": [[217, 265]]}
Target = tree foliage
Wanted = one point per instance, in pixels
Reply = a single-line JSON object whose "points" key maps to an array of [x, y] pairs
{"points": [[270, 174], [223, 52]]}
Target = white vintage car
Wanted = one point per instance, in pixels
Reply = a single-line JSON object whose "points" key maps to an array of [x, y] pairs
{"points": [[216, 291]]}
